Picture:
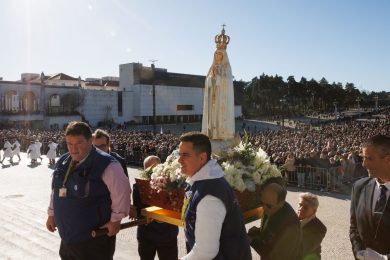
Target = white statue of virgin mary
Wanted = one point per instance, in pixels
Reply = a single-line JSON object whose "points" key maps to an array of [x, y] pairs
{"points": [[218, 107]]}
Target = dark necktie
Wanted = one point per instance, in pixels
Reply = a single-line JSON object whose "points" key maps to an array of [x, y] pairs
{"points": [[381, 202], [73, 165]]}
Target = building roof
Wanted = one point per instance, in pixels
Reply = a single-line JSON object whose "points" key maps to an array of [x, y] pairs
{"points": [[36, 78], [102, 83], [144, 75], [60, 76]]}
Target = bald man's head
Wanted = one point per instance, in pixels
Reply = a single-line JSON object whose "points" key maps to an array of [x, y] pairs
{"points": [[151, 161]]}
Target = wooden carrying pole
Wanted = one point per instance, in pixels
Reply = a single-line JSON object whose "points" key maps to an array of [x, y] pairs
{"points": [[104, 231]]}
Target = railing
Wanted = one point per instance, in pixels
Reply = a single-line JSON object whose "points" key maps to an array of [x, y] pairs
{"points": [[138, 157], [324, 179], [19, 112], [332, 179]]}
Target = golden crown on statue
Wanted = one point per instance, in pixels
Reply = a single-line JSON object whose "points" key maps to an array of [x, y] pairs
{"points": [[222, 40]]}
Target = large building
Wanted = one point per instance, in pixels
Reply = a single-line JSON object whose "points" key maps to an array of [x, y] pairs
{"points": [[47, 101]]}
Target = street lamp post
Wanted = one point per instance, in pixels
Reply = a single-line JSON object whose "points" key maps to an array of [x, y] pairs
{"points": [[154, 95], [283, 101], [335, 109], [376, 101], [358, 104]]}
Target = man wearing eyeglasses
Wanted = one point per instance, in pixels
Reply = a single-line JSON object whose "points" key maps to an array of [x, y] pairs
{"points": [[101, 140], [280, 235], [370, 210]]}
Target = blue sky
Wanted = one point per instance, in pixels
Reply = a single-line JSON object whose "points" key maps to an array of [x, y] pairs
{"points": [[343, 41]]}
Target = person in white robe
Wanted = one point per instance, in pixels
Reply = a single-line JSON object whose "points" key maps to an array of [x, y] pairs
{"points": [[52, 152], [16, 149], [38, 147], [32, 152], [7, 148]]}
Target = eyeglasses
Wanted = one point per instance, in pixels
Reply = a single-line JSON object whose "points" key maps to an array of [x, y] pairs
{"points": [[101, 146], [269, 206]]}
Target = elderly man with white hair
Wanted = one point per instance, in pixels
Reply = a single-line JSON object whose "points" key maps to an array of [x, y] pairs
{"points": [[313, 230]]}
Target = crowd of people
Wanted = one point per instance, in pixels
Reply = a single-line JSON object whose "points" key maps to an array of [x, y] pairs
{"points": [[208, 194], [134, 146], [335, 147], [314, 156]]}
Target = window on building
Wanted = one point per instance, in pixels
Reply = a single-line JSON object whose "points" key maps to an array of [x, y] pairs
{"points": [[55, 100], [184, 107], [120, 104]]}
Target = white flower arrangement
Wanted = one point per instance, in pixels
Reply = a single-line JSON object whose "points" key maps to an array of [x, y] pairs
{"points": [[245, 168], [167, 176]]}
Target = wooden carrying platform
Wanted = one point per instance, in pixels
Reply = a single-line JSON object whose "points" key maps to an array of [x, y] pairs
{"points": [[174, 218], [171, 217]]}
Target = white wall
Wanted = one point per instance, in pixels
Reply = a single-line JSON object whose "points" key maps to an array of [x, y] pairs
{"points": [[167, 99], [96, 103], [60, 120], [127, 106], [126, 76], [62, 83]]}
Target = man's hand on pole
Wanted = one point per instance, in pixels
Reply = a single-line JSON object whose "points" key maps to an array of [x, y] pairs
{"points": [[112, 227]]}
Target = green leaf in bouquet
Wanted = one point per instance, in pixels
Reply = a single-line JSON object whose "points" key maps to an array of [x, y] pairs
{"points": [[147, 173], [171, 186]]}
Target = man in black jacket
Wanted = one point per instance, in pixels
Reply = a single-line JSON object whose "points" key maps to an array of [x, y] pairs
{"points": [[313, 230], [154, 237], [101, 140], [370, 211], [280, 235]]}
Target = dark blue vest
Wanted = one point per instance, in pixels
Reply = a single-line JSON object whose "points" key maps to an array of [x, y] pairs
{"points": [[234, 243], [87, 204]]}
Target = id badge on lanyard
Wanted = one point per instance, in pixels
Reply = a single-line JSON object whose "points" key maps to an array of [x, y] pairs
{"points": [[62, 190]]}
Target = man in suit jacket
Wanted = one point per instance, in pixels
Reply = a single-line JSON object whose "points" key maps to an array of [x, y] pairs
{"points": [[370, 211], [101, 140], [280, 235], [313, 230]]}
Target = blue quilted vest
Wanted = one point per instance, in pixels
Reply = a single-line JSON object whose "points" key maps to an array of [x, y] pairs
{"points": [[234, 243], [87, 204]]}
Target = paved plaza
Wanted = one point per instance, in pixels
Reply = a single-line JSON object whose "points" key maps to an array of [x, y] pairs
{"points": [[24, 197]]}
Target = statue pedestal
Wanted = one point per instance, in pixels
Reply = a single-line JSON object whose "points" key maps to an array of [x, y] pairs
{"points": [[219, 145]]}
